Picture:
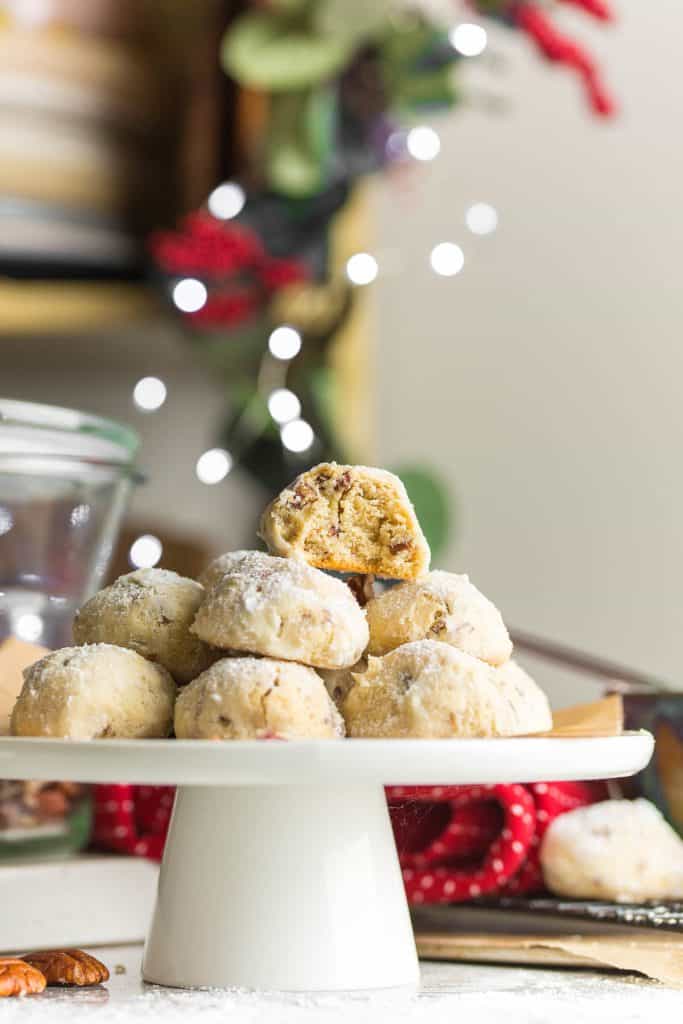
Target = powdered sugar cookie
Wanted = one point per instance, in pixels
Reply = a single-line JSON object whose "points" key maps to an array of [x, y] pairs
{"points": [[441, 606], [431, 690], [93, 692], [251, 698], [150, 611], [348, 518], [286, 609], [227, 563], [524, 692], [619, 850]]}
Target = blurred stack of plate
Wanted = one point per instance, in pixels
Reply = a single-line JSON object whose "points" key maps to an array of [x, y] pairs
{"points": [[82, 110]]}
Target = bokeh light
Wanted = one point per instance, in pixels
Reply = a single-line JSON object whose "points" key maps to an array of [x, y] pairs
{"points": [[227, 200], [146, 551], [213, 465], [361, 268], [284, 342], [149, 394], [297, 436], [468, 39], [423, 143], [190, 295], [447, 259], [283, 405]]}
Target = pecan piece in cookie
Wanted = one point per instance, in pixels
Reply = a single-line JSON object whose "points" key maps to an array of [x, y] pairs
{"points": [[18, 978], [68, 967], [361, 586]]}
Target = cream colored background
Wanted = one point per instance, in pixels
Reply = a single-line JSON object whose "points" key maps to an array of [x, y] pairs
{"points": [[544, 382]]}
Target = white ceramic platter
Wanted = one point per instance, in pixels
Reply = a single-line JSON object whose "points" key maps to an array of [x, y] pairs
{"points": [[319, 762], [280, 870]]}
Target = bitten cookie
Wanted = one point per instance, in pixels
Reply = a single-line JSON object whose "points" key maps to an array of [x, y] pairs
{"points": [[94, 692], [252, 698], [524, 692], [150, 611], [429, 689], [284, 609], [619, 850], [441, 606], [348, 518]]}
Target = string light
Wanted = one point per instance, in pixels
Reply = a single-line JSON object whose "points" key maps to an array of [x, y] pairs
{"points": [[214, 465], [447, 259], [468, 39], [481, 218], [284, 342], [227, 200], [423, 143], [361, 268], [297, 436], [283, 405], [145, 552], [29, 627], [149, 394], [189, 295]]}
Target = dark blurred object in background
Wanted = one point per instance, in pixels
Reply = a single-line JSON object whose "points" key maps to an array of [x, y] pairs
{"points": [[109, 125]]}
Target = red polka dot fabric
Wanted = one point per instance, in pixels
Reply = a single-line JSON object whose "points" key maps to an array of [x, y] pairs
{"points": [[455, 843], [132, 819]]}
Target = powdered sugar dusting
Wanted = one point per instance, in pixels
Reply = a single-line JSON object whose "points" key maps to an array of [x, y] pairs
{"points": [[283, 608], [450, 992]]}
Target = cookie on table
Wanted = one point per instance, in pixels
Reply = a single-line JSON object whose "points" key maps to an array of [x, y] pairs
{"points": [[442, 606], [254, 698], [524, 692], [350, 519], [150, 611], [620, 850], [429, 689], [285, 609], [95, 692]]}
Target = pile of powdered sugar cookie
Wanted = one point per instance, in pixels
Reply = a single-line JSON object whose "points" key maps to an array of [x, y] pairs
{"points": [[272, 645]]}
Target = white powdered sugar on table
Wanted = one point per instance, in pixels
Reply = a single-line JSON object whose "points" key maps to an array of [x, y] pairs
{"points": [[450, 993]]}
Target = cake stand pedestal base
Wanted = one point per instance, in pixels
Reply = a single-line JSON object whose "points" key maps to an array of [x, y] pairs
{"points": [[285, 888]]}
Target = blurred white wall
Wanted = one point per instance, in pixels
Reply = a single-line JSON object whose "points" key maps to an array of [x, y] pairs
{"points": [[546, 380], [543, 382]]}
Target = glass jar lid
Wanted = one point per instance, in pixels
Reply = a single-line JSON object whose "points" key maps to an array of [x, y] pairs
{"points": [[47, 430]]}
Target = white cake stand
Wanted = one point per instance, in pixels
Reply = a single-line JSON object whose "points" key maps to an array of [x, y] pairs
{"points": [[280, 870]]}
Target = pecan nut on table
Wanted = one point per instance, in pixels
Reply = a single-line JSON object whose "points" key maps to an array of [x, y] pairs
{"points": [[30, 974]]}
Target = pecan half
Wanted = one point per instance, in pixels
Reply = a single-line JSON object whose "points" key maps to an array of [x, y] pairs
{"points": [[361, 586], [343, 482], [302, 495], [68, 967], [18, 978], [400, 545]]}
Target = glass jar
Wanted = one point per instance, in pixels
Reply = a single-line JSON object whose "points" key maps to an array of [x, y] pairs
{"points": [[65, 479]]}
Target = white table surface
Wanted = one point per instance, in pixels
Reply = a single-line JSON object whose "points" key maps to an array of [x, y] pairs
{"points": [[482, 994]]}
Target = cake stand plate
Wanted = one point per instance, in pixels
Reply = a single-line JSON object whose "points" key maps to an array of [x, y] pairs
{"points": [[280, 870]]}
